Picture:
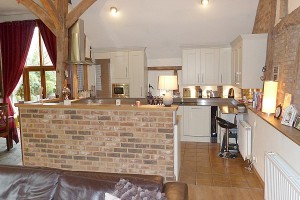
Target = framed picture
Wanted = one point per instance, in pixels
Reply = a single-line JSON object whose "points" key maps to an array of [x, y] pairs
{"points": [[297, 123], [289, 115]]}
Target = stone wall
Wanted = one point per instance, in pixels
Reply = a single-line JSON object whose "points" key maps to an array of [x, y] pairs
{"points": [[120, 141]]}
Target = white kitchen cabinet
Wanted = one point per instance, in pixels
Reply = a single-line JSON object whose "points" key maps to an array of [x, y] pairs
{"points": [[190, 66], [209, 66], [197, 121], [119, 67], [248, 59], [225, 66], [206, 66], [128, 67], [138, 74]]}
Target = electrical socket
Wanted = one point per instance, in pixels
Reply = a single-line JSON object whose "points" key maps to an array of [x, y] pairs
{"points": [[254, 159]]}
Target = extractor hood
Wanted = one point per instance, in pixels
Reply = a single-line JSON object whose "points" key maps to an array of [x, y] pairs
{"points": [[77, 44]]}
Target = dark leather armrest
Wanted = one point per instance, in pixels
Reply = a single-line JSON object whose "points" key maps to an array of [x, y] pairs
{"points": [[176, 191]]}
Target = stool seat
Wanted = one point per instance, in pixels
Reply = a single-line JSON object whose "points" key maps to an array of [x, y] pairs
{"points": [[225, 124], [225, 144]]}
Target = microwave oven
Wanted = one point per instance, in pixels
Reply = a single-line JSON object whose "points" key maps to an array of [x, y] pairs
{"points": [[120, 90]]}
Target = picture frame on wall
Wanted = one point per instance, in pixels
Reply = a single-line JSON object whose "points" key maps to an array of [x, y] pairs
{"points": [[289, 115]]}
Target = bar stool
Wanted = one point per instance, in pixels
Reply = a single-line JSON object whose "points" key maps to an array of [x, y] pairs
{"points": [[227, 125]]}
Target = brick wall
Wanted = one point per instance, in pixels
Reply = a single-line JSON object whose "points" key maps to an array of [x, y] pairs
{"points": [[283, 48], [265, 16], [120, 141]]}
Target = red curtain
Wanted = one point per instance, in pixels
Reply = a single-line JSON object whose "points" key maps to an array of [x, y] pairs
{"points": [[49, 40], [15, 39]]}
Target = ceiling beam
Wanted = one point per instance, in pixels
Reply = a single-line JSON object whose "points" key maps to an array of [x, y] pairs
{"points": [[52, 12], [40, 13], [73, 16]]}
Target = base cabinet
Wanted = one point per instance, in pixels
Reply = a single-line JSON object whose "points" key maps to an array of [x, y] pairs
{"points": [[196, 123]]}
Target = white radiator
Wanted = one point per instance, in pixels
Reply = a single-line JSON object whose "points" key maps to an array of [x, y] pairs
{"points": [[281, 181], [244, 139]]}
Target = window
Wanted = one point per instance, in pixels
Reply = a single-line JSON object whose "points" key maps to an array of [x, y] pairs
{"points": [[38, 71]]}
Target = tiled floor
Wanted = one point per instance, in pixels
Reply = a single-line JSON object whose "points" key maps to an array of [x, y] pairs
{"points": [[211, 177], [12, 157]]}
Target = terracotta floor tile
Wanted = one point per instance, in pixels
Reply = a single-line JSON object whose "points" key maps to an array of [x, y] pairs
{"points": [[211, 177], [202, 169], [221, 177], [204, 182], [221, 183], [204, 176]]}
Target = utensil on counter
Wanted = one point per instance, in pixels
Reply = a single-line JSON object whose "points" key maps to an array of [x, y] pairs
{"points": [[231, 93]]}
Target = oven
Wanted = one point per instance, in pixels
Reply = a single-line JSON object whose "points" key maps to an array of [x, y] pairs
{"points": [[120, 90]]}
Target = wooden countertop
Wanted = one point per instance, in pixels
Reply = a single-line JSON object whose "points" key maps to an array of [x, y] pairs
{"points": [[290, 132], [96, 106]]}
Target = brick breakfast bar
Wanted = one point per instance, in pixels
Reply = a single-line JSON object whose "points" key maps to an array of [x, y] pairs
{"points": [[104, 138]]}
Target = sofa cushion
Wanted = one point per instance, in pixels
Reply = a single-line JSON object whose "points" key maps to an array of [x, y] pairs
{"points": [[150, 182], [27, 183], [126, 190], [80, 188]]}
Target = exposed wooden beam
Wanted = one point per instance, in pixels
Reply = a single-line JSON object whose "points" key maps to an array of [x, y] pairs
{"points": [[52, 12], [40, 13], [73, 16]]}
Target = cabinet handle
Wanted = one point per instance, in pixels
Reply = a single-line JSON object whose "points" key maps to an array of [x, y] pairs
{"points": [[198, 78], [221, 78], [126, 73], [141, 92], [202, 79]]}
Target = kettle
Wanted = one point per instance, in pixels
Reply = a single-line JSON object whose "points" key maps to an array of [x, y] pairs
{"points": [[231, 93]]}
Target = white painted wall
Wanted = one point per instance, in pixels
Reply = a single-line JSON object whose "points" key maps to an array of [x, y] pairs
{"points": [[268, 139], [20, 17], [293, 4]]}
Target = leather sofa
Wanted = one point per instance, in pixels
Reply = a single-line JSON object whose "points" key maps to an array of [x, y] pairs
{"points": [[20, 182]]}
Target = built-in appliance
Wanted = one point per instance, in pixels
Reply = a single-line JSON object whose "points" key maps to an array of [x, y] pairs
{"points": [[120, 90]]}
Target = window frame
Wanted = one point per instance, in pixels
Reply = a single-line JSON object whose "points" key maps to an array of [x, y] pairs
{"points": [[41, 68]]}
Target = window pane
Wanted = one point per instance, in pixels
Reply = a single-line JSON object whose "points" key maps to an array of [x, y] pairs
{"points": [[33, 58], [35, 84], [50, 83], [45, 59], [18, 93]]}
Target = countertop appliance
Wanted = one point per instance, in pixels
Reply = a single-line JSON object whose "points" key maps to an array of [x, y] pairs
{"points": [[120, 90], [231, 93]]}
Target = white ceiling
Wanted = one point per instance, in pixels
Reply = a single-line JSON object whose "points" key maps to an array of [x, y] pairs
{"points": [[162, 26]]}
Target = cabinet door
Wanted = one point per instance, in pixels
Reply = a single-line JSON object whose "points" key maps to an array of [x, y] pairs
{"points": [[225, 66], [190, 66], [197, 121], [236, 64], [137, 74], [209, 66], [119, 66]]}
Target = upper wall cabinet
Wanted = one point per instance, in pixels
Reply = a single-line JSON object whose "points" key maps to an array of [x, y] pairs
{"points": [[138, 78], [206, 66], [248, 59], [119, 67], [128, 67]]}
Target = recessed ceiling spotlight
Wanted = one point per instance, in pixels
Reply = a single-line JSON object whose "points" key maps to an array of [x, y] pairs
{"points": [[113, 11], [204, 2]]}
